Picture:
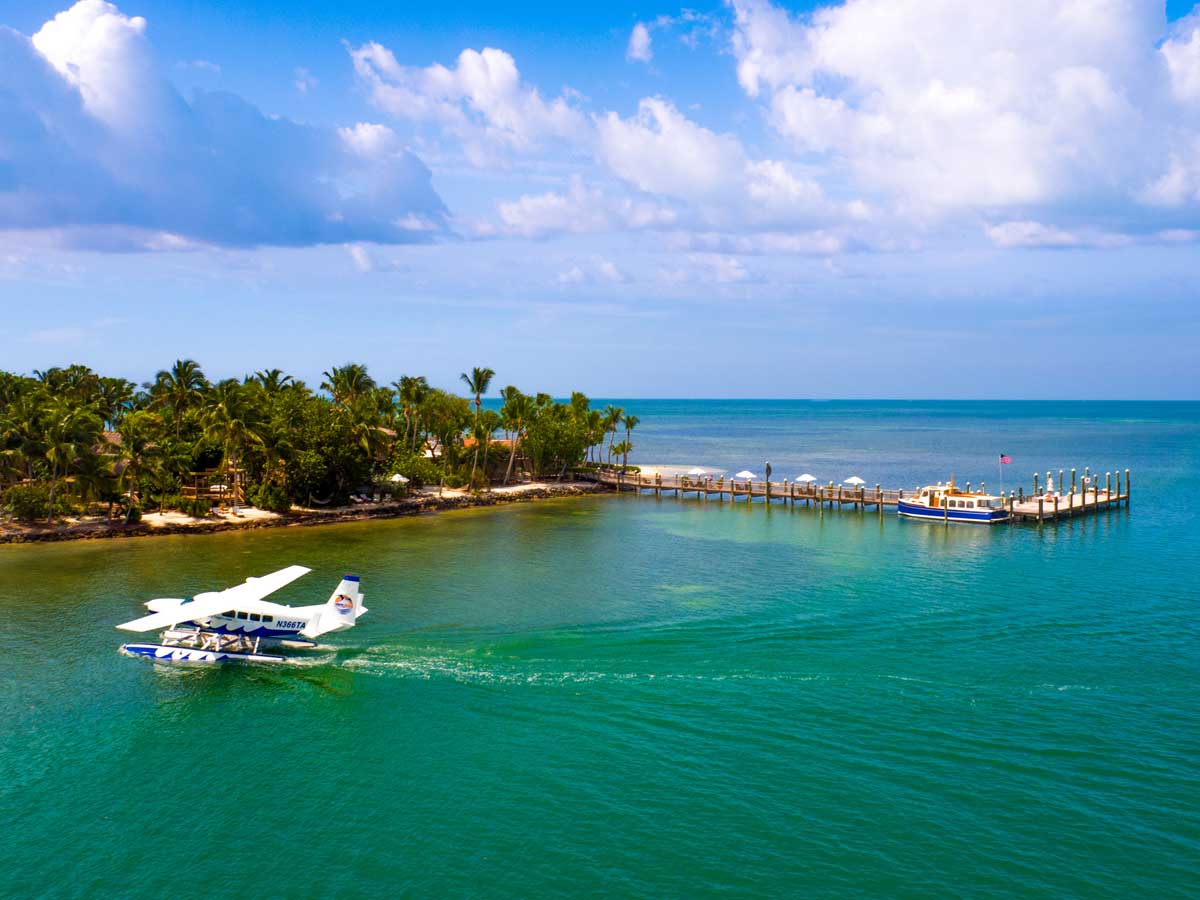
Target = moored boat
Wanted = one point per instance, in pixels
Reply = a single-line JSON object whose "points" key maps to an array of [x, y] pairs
{"points": [[947, 503]]}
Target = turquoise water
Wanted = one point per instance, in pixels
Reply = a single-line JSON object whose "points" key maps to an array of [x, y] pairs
{"points": [[624, 696]]}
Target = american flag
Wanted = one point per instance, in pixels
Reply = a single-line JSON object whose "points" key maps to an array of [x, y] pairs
{"points": [[1005, 459]]}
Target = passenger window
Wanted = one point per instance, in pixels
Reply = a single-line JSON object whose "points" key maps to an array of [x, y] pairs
{"points": [[242, 615], [268, 618], [255, 617], [970, 504]]}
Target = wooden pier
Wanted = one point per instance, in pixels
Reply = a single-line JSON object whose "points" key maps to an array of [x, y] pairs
{"points": [[1083, 498]]}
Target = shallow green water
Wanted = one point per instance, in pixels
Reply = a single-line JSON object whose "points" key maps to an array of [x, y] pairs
{"points": [[634, 697]]}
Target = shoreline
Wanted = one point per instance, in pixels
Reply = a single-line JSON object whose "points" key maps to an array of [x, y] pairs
{"points": [[414, 505]]}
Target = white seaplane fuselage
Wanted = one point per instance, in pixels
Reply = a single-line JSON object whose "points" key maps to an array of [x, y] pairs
{"points": [[237, 624]]}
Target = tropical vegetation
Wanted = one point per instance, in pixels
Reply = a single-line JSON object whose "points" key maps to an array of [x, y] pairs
{"points": [[75, 442]]}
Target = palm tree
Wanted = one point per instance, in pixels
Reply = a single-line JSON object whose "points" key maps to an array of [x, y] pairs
{"points": [[477, 383], [273, 380], [22, 429], [411, 391], [613, 416], [631, 422], [594, 425], [180, 388], [138, 447], [69, 432], [115, 397], [516, 413], [481, 432], [230, 420], [487, 424], [347, 383], [95, 479]]}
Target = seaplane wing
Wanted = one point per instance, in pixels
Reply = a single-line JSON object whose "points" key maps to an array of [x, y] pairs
{"points": [[257, 588], [214, 603]]}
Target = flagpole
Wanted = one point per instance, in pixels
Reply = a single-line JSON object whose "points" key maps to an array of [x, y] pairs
{"points": [[1000, 469]]}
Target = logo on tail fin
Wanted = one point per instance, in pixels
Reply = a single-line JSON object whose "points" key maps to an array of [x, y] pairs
{"points": [[343, 604]]}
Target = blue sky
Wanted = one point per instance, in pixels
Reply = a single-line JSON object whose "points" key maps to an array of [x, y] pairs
{"points": [[882, 198]]}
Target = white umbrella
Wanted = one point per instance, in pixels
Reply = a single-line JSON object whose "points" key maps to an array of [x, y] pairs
{"points": [[696, 471], [745, 473], [854, 479], [399, 479], [806, 478]]}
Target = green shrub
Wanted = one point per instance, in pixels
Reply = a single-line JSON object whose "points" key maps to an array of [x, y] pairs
{"points": [[134, 515], [418, 469], [29, 502], [454, 480], [271, 497], [195, 507]]}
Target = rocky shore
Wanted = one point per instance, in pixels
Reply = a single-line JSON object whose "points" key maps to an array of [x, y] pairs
{"points": [[416, 504]]}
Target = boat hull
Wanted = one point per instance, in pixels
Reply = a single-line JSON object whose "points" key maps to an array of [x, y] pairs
{"points": [[968, 516], [196, 656]]}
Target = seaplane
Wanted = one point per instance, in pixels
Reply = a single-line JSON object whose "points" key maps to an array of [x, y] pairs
{"points": [[237, 624]]}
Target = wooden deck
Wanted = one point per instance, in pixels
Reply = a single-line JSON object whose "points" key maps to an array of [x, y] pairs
{"points": [[1041, 508]]}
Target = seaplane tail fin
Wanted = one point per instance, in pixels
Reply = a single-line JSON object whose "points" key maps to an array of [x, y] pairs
{"points": [[344, 607]]}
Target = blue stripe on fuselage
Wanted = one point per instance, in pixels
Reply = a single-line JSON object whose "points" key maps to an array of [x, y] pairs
{"points": [[260, 631]]}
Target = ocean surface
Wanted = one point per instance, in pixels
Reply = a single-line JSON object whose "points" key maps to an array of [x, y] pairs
{"points": [[623, 696]]}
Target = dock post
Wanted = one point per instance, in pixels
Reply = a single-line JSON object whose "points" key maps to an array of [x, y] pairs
{"points": [[658, 485], [767, 492], [1127, 492], [1035, 490], [1060, 483], [1072, 481], [945, 510], [791, 492], [1010, 504], [1041, 508], [879, 499], [1056, 507], [983, 487], [968, 487], [1107, 490], [1021, 494], [1096, 492]]}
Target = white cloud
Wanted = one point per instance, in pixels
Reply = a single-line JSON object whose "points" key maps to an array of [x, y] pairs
{"points": [[707, 269], [361, 257], [818, 242], [303, 80], [100, 148], [370, 140], [661, 151], [203, 65], [597, 271], [1024, 105], [639, 49], [580, 210], [1182, 55], [482, 100]]}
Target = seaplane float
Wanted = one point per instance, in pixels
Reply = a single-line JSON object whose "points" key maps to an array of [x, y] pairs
{"points": [[238, 625]]}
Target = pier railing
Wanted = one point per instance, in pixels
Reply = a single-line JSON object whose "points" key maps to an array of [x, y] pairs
{"points": [[1083, 497]]}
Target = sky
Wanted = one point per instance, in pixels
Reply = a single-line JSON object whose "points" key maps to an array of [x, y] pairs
{"points": [[877, 198]]}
